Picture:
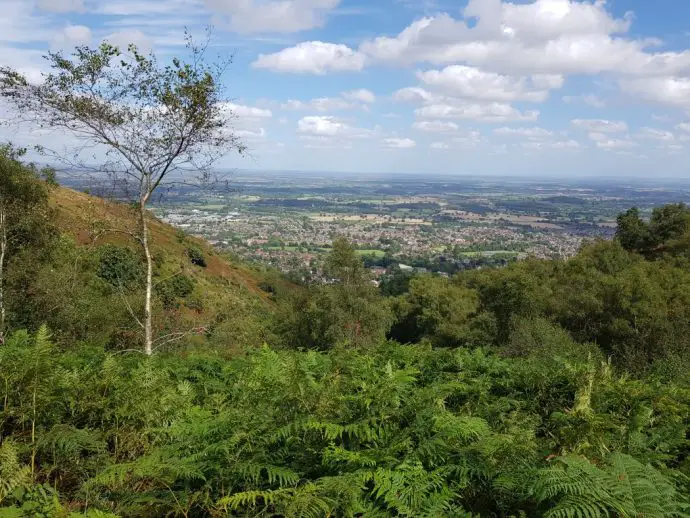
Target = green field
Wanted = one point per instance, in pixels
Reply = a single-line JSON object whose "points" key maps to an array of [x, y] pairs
{"points": [[375, 253]]}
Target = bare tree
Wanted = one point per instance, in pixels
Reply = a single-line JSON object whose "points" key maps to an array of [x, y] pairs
{"points": [[152, 124]]}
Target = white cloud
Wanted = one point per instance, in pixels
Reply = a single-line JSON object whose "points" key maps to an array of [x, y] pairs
{"points": [[600, 125], [435, 126], [673, 91], [415, 95], [251, 134], [360, 95], [684, 126], [398, 143], [472, 83], [615, 144], [248, 112], [349, 100], [436, 106], [439, 145], [545, 36], [514, 51], [313, 57], [276, 16], [320, 126], [492, 112], [329, 126]]}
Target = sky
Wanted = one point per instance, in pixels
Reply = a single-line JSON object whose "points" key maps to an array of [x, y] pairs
{"points": [[481, 87]]}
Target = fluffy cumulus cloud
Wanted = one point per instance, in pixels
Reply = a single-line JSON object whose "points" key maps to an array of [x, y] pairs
{"points": [[545, 36], [438, 106], [273, 16], [473, 83], [248, 121], [503, 51], [314, 57], [330, 127]]}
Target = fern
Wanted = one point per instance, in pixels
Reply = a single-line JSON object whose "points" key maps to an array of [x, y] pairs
{"points": [[13, 475], [624, 487]]}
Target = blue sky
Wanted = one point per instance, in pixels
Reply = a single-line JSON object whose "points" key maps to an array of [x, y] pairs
{"points": [[554, 87]]}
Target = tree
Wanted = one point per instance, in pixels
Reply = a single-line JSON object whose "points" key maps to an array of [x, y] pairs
{"points": [[668, 227], [344, 265], [670, 222], [349, 312], [155, 124], [437, 310], [23, 213], [632, 232]]}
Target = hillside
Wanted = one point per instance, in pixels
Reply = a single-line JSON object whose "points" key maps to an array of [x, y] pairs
{"points": [[94, 221], [222, 297]]}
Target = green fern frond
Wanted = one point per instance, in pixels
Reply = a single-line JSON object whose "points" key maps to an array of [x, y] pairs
{"points": [[13, 475]]}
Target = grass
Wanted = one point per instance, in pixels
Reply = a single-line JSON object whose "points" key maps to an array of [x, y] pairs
{"points": [[374, 252], [94, 221]]}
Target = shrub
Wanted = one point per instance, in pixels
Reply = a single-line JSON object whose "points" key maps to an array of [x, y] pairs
{"points": [[196, 256], [174, 288], [119, 266]]}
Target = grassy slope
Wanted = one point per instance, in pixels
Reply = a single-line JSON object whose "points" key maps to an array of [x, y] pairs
{"points": [[228, 290]]}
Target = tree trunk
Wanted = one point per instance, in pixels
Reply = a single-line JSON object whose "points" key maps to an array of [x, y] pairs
{"points": [[148, 326], [3, 250]]}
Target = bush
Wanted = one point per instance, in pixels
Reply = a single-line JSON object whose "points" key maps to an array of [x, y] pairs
{"points": [[174, 288], [196, 256], [119, 266]]}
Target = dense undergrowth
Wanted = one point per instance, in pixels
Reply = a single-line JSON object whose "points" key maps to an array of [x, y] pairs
{"points": [[393, 431]]}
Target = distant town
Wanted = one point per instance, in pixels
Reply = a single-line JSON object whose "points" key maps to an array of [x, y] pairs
{"points": [[289, 221]]}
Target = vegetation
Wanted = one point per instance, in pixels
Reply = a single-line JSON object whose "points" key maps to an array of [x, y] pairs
{"points": [[544, 388]]}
